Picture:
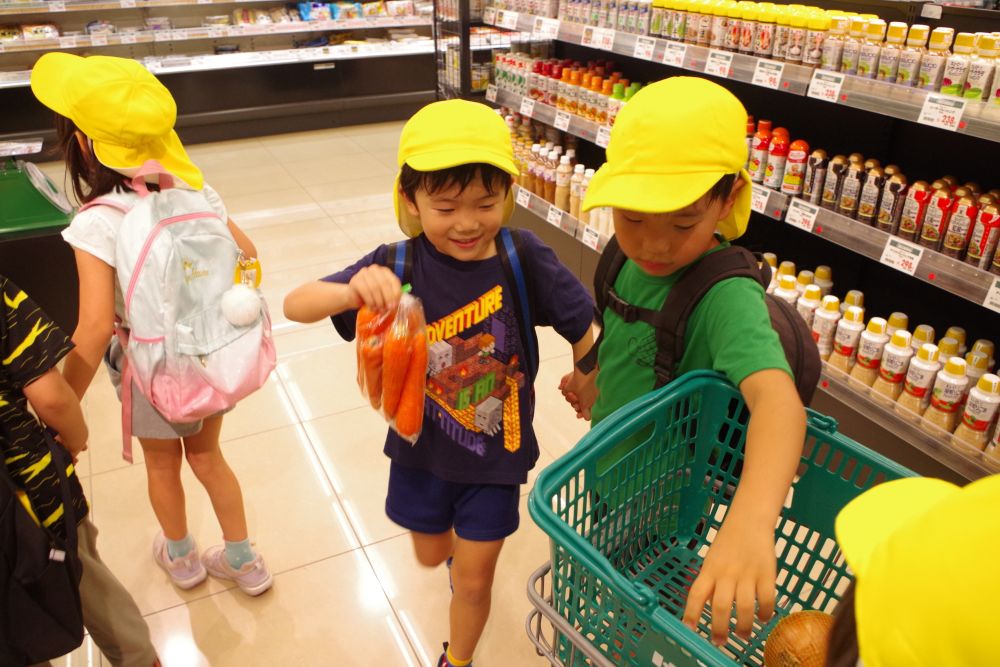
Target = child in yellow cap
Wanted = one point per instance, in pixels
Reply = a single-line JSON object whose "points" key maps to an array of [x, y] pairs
{"points": [[112, 117], [458, 488], [675, 180]]}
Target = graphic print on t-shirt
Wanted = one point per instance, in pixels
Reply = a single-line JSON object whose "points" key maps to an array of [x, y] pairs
{"points": [[642, 348], [474, 373]]}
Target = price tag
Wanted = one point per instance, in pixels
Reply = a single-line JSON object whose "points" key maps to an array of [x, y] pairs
{"points": [[507, 20], [758, 198], [127, 4], [555, 216], [826, 85], [802, 214], [591, 237], [527, 106], [605, 38], [216, 31], [523, 197], [562, 121], [67, 42], [719, 63], [204, 2], [491, 93], [644, 47], [902, 255], [942, 111], [99, 40], [768, 73], [545, 28], [603, 136], [490, 15], [128, 38], [161, 35], [674, 54], [993, 297], [57, 6]]}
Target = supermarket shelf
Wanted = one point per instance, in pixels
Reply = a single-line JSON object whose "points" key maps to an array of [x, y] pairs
{"points": [[966, 462], [586, 234], [204, 32], [57, 7], [544, 113]]}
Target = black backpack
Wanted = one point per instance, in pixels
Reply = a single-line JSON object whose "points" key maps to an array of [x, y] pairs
{"points": [[40, 613], [670, 322]]}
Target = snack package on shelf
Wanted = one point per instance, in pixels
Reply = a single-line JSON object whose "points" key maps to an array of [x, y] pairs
{"points": [[8, 32], [315, 11], [100, 27], [399, 8], [34, 31], [262, 16], [373, 9], [219, 19], [392, 364], [345, 11]]}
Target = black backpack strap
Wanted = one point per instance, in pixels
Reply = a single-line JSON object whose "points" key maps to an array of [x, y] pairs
{"points": [[513, 254], [608, 267], [401, 260]]}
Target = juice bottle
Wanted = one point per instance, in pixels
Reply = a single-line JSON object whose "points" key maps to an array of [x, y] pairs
{"points": [[897, 321], [958, 333], [911, 218], [584, 216], [823, 277], [812, 183], [835, 173], [777, 156], [824, 326], [891, 206], [871, 48], [615, 102], [808, 303], [853, 298], [594, 99], [964, 213], [932, 64], [563, 176], [833, 47], [850, 190], [782, 25], [643, 18], [980, 411], [575, 186], [956, 69], [764, 38], [910, 57], [804, 280], [852, 45], [845, 341], [530, 182], [551, 165], [758, 157], [892, 369], [946, 397], [981, 68], [938, 216], [916, 394], [870, 348], [871, 196], [795, 51], [983, 239], [748, 28], [786, 290], [888, 60]]}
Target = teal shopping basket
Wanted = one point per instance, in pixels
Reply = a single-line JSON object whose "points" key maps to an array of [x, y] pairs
{"points": [[633, 508]]}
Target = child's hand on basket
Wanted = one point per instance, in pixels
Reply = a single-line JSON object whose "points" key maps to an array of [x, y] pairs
{"points": [[376, 287], [580, 391], [740, 568]]}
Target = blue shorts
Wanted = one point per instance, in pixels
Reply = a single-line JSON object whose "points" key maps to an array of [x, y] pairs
{"points": [[422, 502]]}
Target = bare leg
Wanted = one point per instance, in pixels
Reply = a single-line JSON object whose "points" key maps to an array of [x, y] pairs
{"points": [[472, 572], [166, 494], [433, 549], [210, 467]]}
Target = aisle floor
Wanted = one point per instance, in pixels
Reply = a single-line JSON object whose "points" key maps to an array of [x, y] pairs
{"points": [[308, 452]]}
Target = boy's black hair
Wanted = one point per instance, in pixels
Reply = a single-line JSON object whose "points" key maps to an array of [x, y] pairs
{"points": [[493, 179], [722, 188], [843, 647], [90, 179]]}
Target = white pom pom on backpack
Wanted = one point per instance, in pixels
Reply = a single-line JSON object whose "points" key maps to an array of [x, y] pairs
{"points": [[241, 305]]}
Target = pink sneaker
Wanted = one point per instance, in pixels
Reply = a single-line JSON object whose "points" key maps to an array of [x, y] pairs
{"points": [[253, 578], [186, 572]]}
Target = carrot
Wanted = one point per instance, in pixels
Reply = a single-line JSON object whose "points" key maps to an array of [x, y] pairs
{"points": [[371, 365], [410, 415], [395, 360]]}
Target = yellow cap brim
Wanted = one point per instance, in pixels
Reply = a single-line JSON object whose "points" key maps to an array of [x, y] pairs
{"points": [[410, 224], [662, 193], [51, 78]]}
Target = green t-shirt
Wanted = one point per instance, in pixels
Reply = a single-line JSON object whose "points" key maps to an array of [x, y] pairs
{"points": [[729, 331]]}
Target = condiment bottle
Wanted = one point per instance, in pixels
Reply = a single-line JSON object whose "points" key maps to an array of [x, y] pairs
{"points": [[720, 26], [946, 397], [845, 341], [657, 17], [871, 196], [564, 174], [795, 51], [793, 181], [938, 216], [804, 280], [850, 190], [908, 73], [980, 411], [916, 394], [705, 26], [956, 69], [948, 347], [782, 26], [777, 155], [964, 214], [575, 188], [986, 347], [977, 364], [817, 28], [835, 173], [958, 333], [764, 37], [853, 298], [786, 268], [758, 157], [911, 219], [891, 206], [993, 448], [870, 348], [786, 290], [897, 321], [979, 83], [751, 130], [735, 32], [871, 48], [823, 277], [824, 326], [692, 22], [852, 45], [808, 303], [833, 47], [812, 185], [932, 63], [676, 18], [924, 333], [984, 235], [888, 60], [893, 367], [748, 28]]}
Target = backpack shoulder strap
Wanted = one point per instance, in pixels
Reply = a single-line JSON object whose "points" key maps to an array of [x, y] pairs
{"points": [[401, 260], [513, 253], [110, 203], [608, 267]]}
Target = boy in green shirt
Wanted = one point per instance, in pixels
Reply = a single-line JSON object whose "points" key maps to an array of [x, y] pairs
{"points": [[674, 176]]}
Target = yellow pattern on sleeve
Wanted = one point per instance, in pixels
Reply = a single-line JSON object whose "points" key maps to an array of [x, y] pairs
{"points": [[55, 516], [34, 469], [36, 331], [16, 301]]}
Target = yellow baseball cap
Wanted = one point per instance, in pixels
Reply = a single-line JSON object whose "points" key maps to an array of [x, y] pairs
{"points": [[121, 107], [448, 134], [670, 144], [924, 553]]}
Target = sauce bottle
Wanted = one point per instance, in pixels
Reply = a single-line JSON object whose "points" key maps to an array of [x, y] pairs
{"points": [[956, 69], [850, 190], [824, 326], [891, 206], [988, 348], [812, 185], [748, 28], [977, 364], [836, 171], [984, 235], [735, 31], [958, 333], [908, 73], [786, 290], [980, 411], [804, 280], [823, 277], [705, 26], [833, 47], [758, 157], [932, 64], [720, 26], [924, 333], [795, 51], [852, 45], [853, 298], [871, 196], [893, 367], [979, 83], [817, 29], [786, 268], [782, 25], [808, 303], [949, 347], [897, 321], [871, 48], [946, 397], [845, 341], [692, 21], [964, 213], [911, 219], [564, 173], [916, 394], [777, 155], [938, 216], [888, 60], [656, 18], [870, 348], [575, 190], [764, 38]]}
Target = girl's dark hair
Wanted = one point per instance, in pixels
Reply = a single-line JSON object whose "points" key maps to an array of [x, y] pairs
{"points": [[90, 179], [722, 188], [493, 179], [843, 647]]}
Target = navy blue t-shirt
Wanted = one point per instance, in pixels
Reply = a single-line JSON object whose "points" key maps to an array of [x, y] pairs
{"points": [[479, 401]]}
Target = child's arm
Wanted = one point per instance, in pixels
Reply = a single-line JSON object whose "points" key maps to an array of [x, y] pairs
{"points": [[578, 388], [741, 567], [96, 321], [242, 240], [375, 286], [55, 403]]}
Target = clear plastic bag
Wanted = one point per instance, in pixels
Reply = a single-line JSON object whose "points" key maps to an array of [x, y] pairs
{"points": [[392, 364]]}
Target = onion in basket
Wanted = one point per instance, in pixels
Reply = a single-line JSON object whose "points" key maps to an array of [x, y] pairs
{"points": [[799, 640]]}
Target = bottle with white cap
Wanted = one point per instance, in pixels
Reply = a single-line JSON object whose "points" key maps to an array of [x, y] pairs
{"points": [[946, 397], [993, 449], [958, 333], [786, 268], [823, 276], [949, 347], [980, 411], [896, 322], [892, 369], [808, 303], [924, 333], [845, 341], [575, 188], [786, 290], [585, 215], [916, 394], [852, 298], [977, 364], [805, 279], [772, 261], [986, 347], [870, 348], [564, 173], [824, 326]]}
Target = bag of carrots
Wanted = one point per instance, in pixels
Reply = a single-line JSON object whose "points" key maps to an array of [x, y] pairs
{"points": [[392, 364]]}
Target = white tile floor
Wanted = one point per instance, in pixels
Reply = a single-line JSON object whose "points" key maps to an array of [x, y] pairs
{"points": [[307, 451]]}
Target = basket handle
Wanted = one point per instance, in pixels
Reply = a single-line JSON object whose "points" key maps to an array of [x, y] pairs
{"points": [[821, 422]]}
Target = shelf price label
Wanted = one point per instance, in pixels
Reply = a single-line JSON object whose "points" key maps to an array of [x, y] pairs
{"points": [[127, 38], [527, 107], [67, 42], [943, 111], [161, 35], [599, 38], [902, 255], [719, 63], [768, 73], [802, 214], [674, 54], [507, 19], [217, 31], [562, 121], [491, 92], [57, 6], [545, 28], [603, 136], [826, 86], [523, 197], [99, 40], [758, 198], [644, 48], [554, 216], [993, 296], [127, 4], [591, 237]]}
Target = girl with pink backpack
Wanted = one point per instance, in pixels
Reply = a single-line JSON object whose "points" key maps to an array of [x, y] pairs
{"points": [[115, 124]]}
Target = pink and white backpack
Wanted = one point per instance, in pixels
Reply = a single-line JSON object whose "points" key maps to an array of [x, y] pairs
{"points": [[175, 260]]}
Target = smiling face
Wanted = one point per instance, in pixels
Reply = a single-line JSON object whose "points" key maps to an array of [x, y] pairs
{"points": [[461, 222]]}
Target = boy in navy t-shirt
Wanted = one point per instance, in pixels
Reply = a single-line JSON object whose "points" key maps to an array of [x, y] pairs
{"points": [[457, 489]]}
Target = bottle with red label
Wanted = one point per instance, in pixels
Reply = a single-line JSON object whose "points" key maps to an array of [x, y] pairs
{"points": [[937, 217], [795, 168], [777, 156], [920, 376], [758, 156], [946, 397]]}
